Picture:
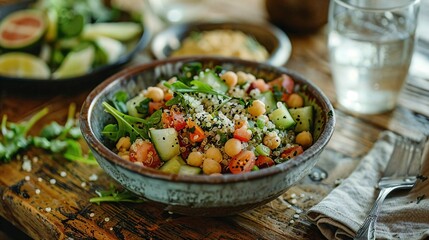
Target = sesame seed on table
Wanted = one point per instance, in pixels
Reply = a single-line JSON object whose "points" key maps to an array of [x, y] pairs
{"points": [[48, 197]]}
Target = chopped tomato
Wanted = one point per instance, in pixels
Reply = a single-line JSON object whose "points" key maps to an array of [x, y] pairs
{"points": [[243, 134], [153, 106], [259, 84], [174, 120], [242, 162], [264, 162], [144, 152], [292, 152], [168, 96], [196, 133], [284, 83]]}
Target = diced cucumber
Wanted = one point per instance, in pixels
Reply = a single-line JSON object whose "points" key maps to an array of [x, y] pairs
{"points": [[166, 142], [132, 105], [189, 170], [268, 99], [263, 150], [173, 165], [303, 117], [214, 81], [281, 117]]}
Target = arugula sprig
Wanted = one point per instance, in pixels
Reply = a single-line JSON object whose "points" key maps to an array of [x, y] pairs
{"points": [[114, 195], [64, 139], [14, 135], [128, 125]]}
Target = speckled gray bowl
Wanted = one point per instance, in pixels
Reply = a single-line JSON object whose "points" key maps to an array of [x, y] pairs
{"points": [[201, 195]]}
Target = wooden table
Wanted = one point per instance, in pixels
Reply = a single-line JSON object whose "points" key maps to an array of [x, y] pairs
{"points": [[63, 211]]}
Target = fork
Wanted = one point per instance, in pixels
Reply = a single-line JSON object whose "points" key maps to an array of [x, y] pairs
{"points": [[401, 173]]}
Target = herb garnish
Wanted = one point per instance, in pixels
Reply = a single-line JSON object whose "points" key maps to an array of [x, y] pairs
{"points": [[113, 195], [14, 135], [53, 137], [128, 125]]}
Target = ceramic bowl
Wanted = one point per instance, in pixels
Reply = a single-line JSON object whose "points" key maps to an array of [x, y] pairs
{"points": [[201, 195], [272, 38]]}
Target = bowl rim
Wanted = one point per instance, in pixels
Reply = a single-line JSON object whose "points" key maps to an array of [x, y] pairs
{"points": [[279, 56], [94, 143]]}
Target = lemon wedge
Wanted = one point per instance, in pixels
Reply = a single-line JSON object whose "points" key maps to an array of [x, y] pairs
{"points": [[76, 63], [23, 65]]}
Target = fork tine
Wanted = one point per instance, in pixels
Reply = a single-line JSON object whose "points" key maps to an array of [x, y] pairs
{"points": [[395, 163], [416, 159]]}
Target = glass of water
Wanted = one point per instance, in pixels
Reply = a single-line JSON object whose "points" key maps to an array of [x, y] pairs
{"points": [[370, 48]]}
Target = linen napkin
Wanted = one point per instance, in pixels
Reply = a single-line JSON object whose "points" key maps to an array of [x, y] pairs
{"points": [[404, 214]]}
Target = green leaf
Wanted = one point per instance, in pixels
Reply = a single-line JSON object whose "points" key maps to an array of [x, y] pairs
{"points": [[131, 126], [14, 135], [114, 195], [51, 130], [111, 132]]}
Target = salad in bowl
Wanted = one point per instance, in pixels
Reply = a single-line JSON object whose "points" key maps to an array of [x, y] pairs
{"points": [[207, 136]]}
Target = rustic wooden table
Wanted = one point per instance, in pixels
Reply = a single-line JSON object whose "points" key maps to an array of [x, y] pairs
{"points": [[43, 210]]}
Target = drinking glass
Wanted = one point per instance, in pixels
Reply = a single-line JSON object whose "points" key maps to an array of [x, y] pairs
{"points": [[370, 48]]}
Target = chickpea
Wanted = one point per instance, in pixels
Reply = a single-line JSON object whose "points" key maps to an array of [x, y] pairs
{"points": [[233, 147], [230, 78], [124, 155], [295, 100], [155, 93], [241, 77], [123, 144], [195, 159], [271, 140], [304, 139], [214, 153], [211, 166], [257, 108]]}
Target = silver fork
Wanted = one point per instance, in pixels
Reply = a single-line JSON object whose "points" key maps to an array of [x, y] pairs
{"points": [[401, 173]]}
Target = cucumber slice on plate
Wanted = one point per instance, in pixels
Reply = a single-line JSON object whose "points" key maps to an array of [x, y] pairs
{"points": [[23, 65], [76, 63], [121, 31], [111, 49], [22, 29]]}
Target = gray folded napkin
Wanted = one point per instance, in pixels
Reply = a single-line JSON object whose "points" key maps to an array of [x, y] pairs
{"points": [[404, 215]]}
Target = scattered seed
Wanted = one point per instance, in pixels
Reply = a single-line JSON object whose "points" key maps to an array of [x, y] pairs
{"points": [[296, 216], [83, 184], [293, 195], [293, 201], [63, 174], [302, 195], [107, 219], [292, 221], [37, 191], [48, 209], [91, 214], [93, 177], [53, 181], [40, 179], [27, 178]]}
